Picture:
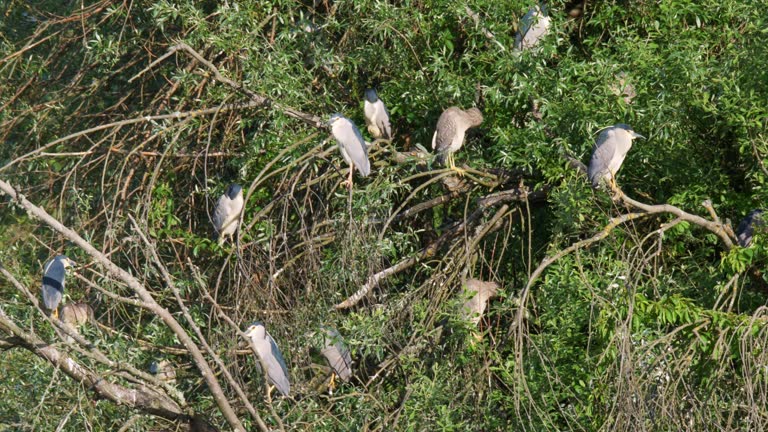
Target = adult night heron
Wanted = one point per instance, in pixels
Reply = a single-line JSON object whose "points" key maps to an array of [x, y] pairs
{"points": [[746, 229], [337, 354], [227, 213], [480, 293], [351, 145], [54, 274], [449, 135], [376, 116], [533, 27], [163, 371], [269, 354], [611, 148]]}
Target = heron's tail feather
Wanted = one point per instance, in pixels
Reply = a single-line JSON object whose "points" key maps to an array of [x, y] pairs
{"points": [[440, 158]]}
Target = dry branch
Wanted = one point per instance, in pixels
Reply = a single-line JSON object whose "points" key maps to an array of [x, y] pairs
{"points": [[258, 99], [115, 271], [484, 204], [141, 398]]}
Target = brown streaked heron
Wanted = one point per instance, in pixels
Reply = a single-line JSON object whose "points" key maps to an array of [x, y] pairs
{"points": [[449, 134], [479, 293]]}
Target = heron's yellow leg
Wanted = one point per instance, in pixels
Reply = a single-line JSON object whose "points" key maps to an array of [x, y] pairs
{"points": [[453, 166], [332, 384], [348, 182], [55, 313]]}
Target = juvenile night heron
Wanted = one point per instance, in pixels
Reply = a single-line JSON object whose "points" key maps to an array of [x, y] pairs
{"points": [[351, 145], [533, 27], [746, 229], [623, 88], [267, 352], [337, 354], [611, 148], [376, 116], [449, 135], [480, 293], [76, 314], [227, 213], [52, 290], [163, 371]]}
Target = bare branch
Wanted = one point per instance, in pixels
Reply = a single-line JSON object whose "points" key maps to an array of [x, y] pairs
{"points": [[257, 99], [144, 294], [141, 398]]}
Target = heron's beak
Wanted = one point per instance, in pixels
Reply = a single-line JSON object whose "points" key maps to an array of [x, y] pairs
{"points": [[637, 135]]}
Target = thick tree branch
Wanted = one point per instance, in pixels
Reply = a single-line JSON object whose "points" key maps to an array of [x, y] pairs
{"points": [[142, 399], [115, 271], [484, 203]]}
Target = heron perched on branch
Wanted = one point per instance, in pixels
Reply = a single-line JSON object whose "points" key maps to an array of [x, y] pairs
{"points": [[163, 371], [611, 148], [351, 145], [54, 274], [269, 354], [746, 229], [76, 314], [449, 135], [337, 354], [533, 27], [376, 116], [227, 214], [479, 293]]}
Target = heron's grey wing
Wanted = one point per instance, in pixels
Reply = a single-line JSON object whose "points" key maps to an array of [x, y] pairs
{"points": [[337, 354], [346, 356], [357, 151], [384, 125], [525, 25], [446, 131], [221, 213], [601, 157], [278, 371], [53, 284], [51, 295]]}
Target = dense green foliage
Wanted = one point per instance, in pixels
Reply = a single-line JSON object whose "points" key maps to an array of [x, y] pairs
{"points": [[658, 326]]}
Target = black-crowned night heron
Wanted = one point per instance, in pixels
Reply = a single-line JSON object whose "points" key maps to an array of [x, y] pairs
{"points": [[611, 148], [337, 354], [746, 228], [163, 371], [449, 135], [351, 145], [376, 116], [54, 274], [478, 294], [266, 350], [532, 28], [227, 214]]}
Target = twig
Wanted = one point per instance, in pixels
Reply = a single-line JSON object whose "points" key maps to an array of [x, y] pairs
{"points": [[258, 99], [213, 385]]}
